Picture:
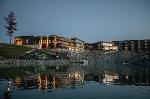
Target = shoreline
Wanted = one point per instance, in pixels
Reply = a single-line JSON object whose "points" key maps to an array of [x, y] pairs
{"points": [[33, 62]]}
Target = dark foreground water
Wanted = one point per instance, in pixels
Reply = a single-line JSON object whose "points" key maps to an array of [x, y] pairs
{"points": [[75, 82]]}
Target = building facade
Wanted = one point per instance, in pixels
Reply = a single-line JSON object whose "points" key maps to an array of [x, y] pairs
{"points": [[59, 43], [102, 46], [133, 45], [54, 42], [107, 46], [127, 45]]}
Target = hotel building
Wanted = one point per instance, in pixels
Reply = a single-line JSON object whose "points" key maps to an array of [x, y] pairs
{"points": [[102, 46], [59, 43], [53, 42], [133, 45]]}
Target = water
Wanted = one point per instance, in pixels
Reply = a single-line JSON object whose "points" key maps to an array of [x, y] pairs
{"points": [[75, 81]]}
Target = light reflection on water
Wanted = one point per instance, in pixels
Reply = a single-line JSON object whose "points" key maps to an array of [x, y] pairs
{"points": [[76, 81]]}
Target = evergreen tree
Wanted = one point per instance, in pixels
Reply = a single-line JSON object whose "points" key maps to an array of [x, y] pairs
{"points": [[11, 25]]}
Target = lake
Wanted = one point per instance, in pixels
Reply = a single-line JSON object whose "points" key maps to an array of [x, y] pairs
{"points": [[75, 81]]}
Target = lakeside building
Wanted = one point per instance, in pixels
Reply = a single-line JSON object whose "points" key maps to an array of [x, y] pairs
{"points": [[102, 46], [133, 45], [54, 42], [107, 46], [59, 43], [127, 45]]}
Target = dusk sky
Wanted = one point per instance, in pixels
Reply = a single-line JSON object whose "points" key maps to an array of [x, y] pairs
{"points": [[89, 20]]}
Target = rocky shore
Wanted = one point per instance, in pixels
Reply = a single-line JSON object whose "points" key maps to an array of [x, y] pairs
{"points": [[23, 63]]}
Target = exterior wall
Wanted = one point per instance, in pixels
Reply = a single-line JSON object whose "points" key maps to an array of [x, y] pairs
{"points": [[24, 40], [134, 45], [18, 41], [91, 46], [147, 45], [141, 45], [120, 44]]}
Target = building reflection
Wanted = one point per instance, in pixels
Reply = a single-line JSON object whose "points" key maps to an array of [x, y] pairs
{"points": [[61, 77], [75, 77], [110, 78], [43, 82], [18, 81]]}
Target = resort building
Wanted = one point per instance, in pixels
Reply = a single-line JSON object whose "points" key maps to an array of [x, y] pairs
{"points": [[133, 45], [53, 42], [107, 46], [59, 43], [102, 46]]}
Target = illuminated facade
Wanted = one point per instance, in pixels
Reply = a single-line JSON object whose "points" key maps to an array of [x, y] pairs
{"points": [[59, 43], [127, 45], [102, 46], [53, 42], [107, 46]]}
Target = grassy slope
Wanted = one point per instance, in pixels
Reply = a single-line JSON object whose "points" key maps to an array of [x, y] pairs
{"points": [[12, 51]]}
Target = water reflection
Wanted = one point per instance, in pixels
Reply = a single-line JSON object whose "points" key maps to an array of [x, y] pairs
{"points": [[48, 79], [110, 78], [62, 76], [119, 74]]}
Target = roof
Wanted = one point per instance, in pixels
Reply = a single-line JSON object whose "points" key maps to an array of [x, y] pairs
{"points": [[75, 38]]}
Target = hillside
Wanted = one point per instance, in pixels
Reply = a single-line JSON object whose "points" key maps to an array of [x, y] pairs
{"points": [[12, 51]]}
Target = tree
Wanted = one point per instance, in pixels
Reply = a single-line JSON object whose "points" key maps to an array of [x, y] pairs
{"points": [[11, 25]]}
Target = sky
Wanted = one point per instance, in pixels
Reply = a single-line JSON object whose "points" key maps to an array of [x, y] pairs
{"points": [[89, 20]]}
